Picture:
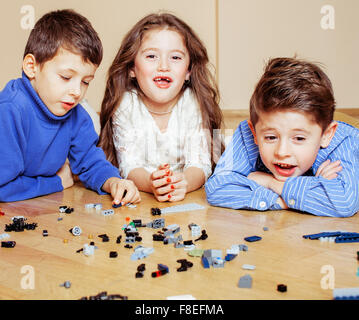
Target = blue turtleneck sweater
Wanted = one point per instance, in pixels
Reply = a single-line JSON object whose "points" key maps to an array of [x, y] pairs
{"points": [[35, 144]]}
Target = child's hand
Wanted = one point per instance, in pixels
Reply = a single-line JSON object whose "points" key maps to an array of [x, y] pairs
{"points": [[329, 170], [65, 175], [122, 190], [159, 181], [177, 187]]}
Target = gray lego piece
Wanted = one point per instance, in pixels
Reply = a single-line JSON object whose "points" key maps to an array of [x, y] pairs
{"points": [[245, 281], [182, 208]]}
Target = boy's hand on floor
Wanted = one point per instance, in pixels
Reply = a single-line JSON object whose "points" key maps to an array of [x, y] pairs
{"points": [[329, 170], [65, 175], [122, 191]]}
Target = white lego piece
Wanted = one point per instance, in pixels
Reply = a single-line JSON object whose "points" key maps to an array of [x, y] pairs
{"points": [[88, 250], [182, 208], [248, 267], [76, 231], [4, 236], [196, 231]]}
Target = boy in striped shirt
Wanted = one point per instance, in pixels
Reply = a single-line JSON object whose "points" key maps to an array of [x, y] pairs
{"points": [[290, 154]]}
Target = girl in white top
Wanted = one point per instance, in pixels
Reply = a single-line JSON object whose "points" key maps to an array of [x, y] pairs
{"points": [[160, 109]]}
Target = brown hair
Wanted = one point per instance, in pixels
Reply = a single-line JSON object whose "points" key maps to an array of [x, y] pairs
{"points": [[293, 84], [66, 29], [119, 81]]}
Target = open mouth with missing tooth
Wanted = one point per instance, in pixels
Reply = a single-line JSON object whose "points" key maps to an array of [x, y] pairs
{"points": [[162, 82], [284, 169]]}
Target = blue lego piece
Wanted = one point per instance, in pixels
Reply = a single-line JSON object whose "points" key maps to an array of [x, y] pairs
{"points": [[230, 257], [346, 239], [116, 205], [161, 267], [253, 238], [205, 262]]}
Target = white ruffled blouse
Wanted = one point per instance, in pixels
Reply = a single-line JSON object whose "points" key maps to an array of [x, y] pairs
{"points": [[139, 142]]}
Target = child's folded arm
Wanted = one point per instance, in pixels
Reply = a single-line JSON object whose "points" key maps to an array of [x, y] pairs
{"points": [[235, 191], [337, 197]]}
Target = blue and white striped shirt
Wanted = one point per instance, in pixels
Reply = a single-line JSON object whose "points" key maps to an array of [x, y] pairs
{"points": [[229, 186]]}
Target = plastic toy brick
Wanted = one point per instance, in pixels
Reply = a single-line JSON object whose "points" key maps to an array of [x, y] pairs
{"points": [[2, 213], [76, 231], [108, 212], [66, 284], [162, 270], [196, 253], [158, 237], [253, 238], [248, 267], [245, 281], [203, 236], [118, 240], [104, 237], [230, 257], [205, 262], [8, 244], [114, 205], [171, 229], [113, 254], [141, 252], [182, 208], [156, 211], [328, 234], [346, 294], [346, 239], [45, 233], [4, 236], [281, 288], [156, 224], [185, 264]]}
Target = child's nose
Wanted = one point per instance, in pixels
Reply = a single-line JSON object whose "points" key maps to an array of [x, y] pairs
{"points": [[75, 90], [163, 65], [283, 149]]}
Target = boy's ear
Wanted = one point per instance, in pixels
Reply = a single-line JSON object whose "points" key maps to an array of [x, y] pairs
{"points": [[251, 126], [29, 66], [328, 134]]}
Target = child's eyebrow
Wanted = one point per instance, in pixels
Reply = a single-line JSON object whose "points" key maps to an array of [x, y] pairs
{"points": [[75, 71], [156, 49]]}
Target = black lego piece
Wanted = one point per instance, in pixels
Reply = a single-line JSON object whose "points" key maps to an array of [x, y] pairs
{"points": [[156, 211]]}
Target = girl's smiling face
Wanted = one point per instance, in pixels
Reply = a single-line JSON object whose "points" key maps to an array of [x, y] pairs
{"points": [[161, 67], [289, 141]]}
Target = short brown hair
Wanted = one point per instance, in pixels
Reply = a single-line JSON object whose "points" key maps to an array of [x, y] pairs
{"points": [[67, 29], [293, 84]]}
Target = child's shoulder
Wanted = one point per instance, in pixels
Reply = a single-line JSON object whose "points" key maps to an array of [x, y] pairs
{"points": [[12, 96], [345, 129]]}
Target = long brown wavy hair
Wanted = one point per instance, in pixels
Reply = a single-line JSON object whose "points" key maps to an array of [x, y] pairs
{"points": [[201, 82]]}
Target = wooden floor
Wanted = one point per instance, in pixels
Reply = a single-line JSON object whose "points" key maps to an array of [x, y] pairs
{"points": [[37, 266]]}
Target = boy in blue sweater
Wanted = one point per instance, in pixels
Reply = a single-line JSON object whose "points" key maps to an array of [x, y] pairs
{"points": [[290, 154], [42, 123]]}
